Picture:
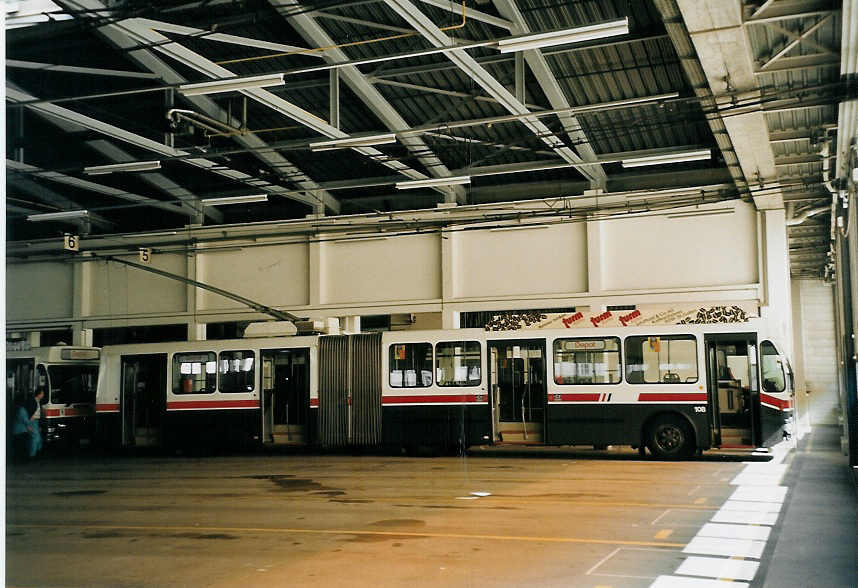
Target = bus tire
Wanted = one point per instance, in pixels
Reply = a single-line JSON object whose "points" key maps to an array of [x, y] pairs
{"points": [[670, 437]]}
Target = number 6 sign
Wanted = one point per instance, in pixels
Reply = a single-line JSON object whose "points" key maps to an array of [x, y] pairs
{"points": [[71, 242]]}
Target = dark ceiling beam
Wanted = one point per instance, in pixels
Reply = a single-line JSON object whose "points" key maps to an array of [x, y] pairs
{"points": [[777, 10], [313, 33], [501, 59], [23, 170], [466, 63], [119, 36], [160, 182]]}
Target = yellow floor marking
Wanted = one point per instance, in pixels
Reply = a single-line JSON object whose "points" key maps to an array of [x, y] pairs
{"points": [[201, 529], [700, 501], [664, 534]]}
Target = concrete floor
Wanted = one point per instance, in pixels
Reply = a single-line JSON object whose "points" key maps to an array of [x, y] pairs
{"points": [[588, 519]]}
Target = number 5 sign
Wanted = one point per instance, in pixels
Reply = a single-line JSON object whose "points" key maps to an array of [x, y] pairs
{"points": [[71, 242], [145, 255]]}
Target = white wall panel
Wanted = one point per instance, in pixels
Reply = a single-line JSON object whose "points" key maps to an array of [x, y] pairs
{"points": [[818, 351], [116, 289], [274, 276], [39, 291], [396, 268], [687, 251], [548, 260]]}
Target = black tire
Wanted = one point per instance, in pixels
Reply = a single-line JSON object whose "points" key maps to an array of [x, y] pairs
{"points": [[670, 437]]}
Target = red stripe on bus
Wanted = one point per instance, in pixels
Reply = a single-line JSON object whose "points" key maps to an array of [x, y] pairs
{"points": [[432, 399], [577, 397], [66, 412], [106, 408], [200, 404], [776, 402], [314, 402], [671, 397]]}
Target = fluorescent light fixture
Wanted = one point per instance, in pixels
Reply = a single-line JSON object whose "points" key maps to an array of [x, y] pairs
{"points": [[432, 183], [231, 84], [234, 200], [601, 30], [58, 216], [711, 212], [661, 158], [133, 166], [349, 142]]}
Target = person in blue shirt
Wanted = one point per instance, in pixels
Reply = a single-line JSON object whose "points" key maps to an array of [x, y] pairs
{"points": [[25, 428]]}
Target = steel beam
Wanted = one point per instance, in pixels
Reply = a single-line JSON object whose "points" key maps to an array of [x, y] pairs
{"points": [[310, 30], [552, 90], [188, 199], [724, 64], [67, 180], [119, 35], [468, 65], [470, 13], [93, 71]]}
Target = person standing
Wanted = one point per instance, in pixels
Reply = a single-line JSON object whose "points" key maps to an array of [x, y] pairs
{"points": [[34, 410]]}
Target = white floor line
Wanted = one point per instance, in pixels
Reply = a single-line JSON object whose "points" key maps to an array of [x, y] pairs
{"points": [[659, 517], [685, 582], [726, 547], [603, 560], [753, 506], [760, 493], [756, 532], [757, 479], [747, 517], [740, 529], [719, 568]]}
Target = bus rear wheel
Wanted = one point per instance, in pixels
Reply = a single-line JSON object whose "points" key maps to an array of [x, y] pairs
{"points": [[670, 437]]}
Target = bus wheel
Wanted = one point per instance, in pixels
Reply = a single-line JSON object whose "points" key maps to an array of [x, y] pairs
{"points": [[669, 437]]}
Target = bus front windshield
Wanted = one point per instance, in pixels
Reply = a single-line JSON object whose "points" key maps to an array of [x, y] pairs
{"points": [[73, 384]]}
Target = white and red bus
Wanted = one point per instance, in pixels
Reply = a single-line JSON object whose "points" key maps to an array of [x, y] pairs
{"points": [[674, 389], [67, 375]]}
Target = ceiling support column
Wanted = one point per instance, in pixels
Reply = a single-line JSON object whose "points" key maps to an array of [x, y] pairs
{"points": [[335, 97], [724, 58]]}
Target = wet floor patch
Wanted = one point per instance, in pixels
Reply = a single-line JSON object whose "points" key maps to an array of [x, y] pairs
{"points": [[289, 483], [330, 493], [563, 496], [361, 538], [399, 523], [79, 492], [351, 500], [207, 536], [101, 535]]}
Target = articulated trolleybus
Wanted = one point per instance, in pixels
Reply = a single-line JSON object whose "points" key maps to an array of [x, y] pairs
{"points": [[674, 389], [67, 375]]}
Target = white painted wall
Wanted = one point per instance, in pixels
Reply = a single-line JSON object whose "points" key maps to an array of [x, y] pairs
{"points": [[113, 289], [686, 251], [274, 275], [37, 291], [703, 258], [817, 362], [384, 269], [519, 261]]}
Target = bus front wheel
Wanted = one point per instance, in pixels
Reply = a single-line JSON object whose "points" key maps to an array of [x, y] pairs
{"points": [[670, 437]]}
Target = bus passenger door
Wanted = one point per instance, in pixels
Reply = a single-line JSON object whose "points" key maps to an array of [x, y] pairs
{"points": [[517, 384], [285, 395], [731, 368], [142, 400]]}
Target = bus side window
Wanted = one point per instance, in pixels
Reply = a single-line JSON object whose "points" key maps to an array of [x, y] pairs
{"points": [[772, 367], [42, 381]]}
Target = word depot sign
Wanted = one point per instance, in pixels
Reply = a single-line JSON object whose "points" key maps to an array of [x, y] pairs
{"points": [[655, 314]]}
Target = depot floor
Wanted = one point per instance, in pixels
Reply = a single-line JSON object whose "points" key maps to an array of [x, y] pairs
{"points": [[591, 519]]}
